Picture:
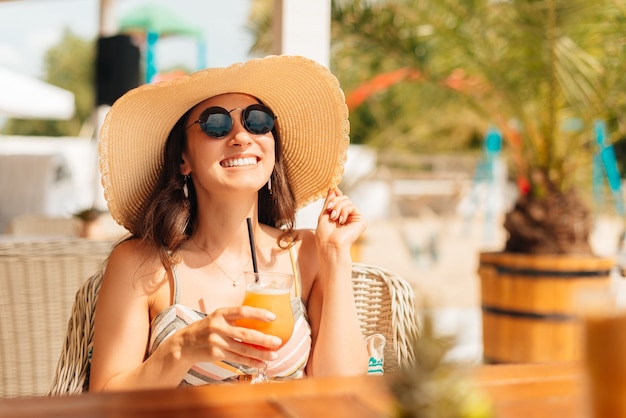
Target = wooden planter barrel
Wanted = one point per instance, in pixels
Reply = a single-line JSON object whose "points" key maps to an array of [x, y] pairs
{"points": [[529, 304]]}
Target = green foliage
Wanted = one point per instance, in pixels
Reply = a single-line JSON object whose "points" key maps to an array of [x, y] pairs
{"points": [[68, 65], [415, 115], [528, 66], [260, 25]]}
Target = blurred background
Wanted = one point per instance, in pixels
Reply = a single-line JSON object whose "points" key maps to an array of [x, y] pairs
{"points": [[438, 93]]}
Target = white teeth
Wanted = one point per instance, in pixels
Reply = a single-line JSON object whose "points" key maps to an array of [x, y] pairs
{"points": [[239, 162]]}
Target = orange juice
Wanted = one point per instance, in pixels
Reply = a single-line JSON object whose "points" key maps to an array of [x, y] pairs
{"points": [[604, 347], [274, 300]]}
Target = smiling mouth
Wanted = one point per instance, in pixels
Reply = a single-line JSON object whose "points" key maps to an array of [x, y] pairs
{"points": [[239, 162]]}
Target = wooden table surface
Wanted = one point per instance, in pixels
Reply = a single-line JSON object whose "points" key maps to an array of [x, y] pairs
{"points": [[524, 391], [534, 390]]}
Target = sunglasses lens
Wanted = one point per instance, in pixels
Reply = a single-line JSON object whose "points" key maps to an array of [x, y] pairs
{"points": [[258, 119], [217, 122]]}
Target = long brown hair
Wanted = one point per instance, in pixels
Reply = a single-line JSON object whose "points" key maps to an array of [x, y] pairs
{"points": [[168, 217]]}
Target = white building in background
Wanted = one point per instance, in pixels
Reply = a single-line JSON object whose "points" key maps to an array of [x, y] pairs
{"points": [[49, 176]]}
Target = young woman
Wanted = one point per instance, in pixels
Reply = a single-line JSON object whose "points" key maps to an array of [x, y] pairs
{"points": [[184, 164]]}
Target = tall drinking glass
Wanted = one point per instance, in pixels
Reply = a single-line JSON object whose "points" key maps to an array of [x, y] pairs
{"points": [[271, 291], [604, 345]]}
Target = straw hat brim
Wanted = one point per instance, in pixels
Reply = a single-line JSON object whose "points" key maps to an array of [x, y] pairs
{"points": [[306, 98]]}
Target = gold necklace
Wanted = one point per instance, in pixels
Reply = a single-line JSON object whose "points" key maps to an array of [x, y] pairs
{"points": [[214, 261]]}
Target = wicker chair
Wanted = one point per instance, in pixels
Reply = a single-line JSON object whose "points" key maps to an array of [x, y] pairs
{"points": [[38, 282], [385, 303], [72, 372]]}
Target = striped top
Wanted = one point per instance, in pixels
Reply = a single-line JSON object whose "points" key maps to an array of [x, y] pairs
{"points": [[292, 357]]}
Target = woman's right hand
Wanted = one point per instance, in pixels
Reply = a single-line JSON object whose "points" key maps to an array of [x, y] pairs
{"points": [[218, 338]]}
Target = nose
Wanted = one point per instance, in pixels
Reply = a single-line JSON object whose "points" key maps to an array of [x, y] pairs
{"points": [[240, 135]]}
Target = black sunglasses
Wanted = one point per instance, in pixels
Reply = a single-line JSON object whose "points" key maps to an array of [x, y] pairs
{"points": [[216, 121]]}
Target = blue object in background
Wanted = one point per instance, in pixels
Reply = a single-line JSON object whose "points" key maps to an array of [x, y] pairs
{"points": [[201, 54], [151, 67], [605, 166], [485, 185]]}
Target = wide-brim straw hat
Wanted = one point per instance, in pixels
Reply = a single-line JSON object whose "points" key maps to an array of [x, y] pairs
{"points": [[312, 123]]}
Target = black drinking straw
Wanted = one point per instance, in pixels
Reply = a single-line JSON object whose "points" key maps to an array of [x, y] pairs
{"points": [[252, 248]]}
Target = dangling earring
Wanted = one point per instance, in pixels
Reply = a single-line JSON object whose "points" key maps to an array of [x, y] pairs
{"points": [[269, 184], [185, 187]]}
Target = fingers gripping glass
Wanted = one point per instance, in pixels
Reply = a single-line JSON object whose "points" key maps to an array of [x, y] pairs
{"points": [[216, 121]]}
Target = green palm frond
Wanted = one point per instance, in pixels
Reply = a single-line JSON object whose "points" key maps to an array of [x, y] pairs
{"points": [[539, 63]]}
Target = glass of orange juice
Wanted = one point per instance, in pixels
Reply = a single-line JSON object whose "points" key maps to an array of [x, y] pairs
{"points": [[271, 291]]}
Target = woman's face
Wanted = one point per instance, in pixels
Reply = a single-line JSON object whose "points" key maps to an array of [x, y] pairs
{"points": [[239, 161]]}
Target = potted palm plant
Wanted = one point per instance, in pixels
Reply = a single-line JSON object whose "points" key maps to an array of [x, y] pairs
{"points": [[89, 217], [542, 71]]}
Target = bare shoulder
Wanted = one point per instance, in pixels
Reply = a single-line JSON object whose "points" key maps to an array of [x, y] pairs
{"points": [[134, 253], [133, 264]]}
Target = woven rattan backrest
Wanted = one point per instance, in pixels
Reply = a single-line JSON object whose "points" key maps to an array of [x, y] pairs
{"points": [[386, 305], [72, 373], [38, 283]]}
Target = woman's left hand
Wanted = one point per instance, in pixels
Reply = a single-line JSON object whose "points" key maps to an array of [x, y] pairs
{"points": [[340, 224]]}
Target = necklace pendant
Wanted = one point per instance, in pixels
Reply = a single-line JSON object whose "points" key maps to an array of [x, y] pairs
{"points": [[234, 284]]}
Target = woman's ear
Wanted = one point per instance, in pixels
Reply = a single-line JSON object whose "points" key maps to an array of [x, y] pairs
{"points": [[184, 167]]}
